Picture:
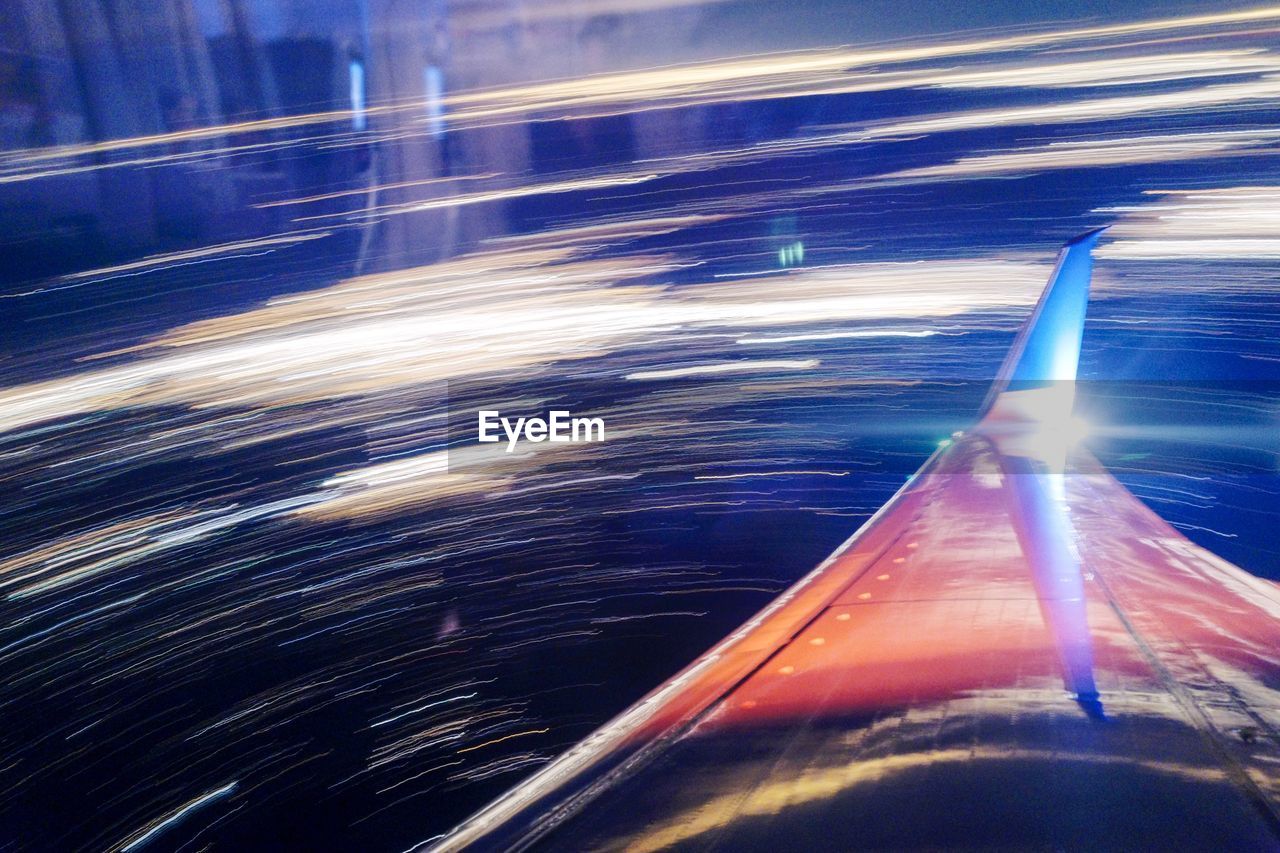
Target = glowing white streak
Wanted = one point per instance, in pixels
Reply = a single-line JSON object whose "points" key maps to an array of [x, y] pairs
{"points": [[1258, 248], [414, 467], [156, 827], [467, 199], [751, 474], [1267, 88], [1223, 223], [1098, 152], [1117, 71], [726, 367], [827, 336]]}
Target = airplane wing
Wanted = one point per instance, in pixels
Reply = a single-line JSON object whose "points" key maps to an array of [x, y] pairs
{"points": [[1014, 653]]}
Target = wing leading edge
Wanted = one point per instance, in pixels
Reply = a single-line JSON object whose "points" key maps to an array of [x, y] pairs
{"points": [[1014, 652]]}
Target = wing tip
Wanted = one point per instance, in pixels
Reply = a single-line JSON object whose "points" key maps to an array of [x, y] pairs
{"points": [[1087, 238], [1047, 348]]}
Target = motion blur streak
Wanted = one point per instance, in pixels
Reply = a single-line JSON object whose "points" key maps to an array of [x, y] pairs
{"points": [[160, 825], [1265, 89], [727, 367], [767, 76], [388, 487], [490, 314], [499, 195], [1230, 222], [196, 254], [1101, 152]]}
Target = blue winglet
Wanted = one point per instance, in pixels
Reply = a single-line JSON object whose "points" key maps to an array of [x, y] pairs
{"points": [[1048, 347]]}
